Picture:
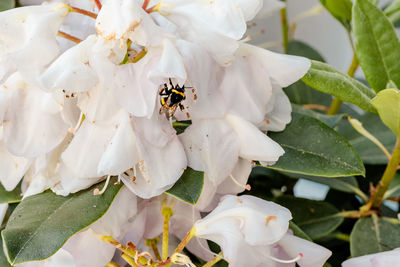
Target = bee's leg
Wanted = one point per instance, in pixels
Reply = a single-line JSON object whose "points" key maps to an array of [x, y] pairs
{"points": [[170, 82], [181, 107]]}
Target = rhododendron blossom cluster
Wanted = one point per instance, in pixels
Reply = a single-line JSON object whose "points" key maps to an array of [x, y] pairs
{"points": [[92, 90]]}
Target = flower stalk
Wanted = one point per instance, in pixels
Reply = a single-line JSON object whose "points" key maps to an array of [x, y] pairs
{"points": [[285, 28], [214, 260], [167, 213], [186, 240], [387, 177], [152, 243]]}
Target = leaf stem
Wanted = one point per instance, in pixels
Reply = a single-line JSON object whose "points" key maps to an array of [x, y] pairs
{"points": [[337, 103], [285, 28], [387, 177]]}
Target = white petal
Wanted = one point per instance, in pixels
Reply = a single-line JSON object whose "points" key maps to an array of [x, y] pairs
{"points": [[71, 71], [121, 153], [134, 91], [217, 146], [69, 182], [277, 119], [261, 222], [158, 168], [207, 196], [98, 104], [117, 18], [84, 245], [123, 208], [24, 31], [250, 8], [33, 124], [86, 149], [313, 255], [202, 101], [241, 173], [254, 145], [246, 86], [171, 64], [283, 69], [157, 130], [269, 7], [12, 168], [382, 259], [181, 222]]}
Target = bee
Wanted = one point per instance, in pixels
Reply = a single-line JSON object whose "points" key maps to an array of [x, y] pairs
{"points": [[171, 98]]}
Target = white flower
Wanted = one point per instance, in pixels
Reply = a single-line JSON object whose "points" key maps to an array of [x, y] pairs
{"points": [[28, 38], [381, 259], [249, 229]]}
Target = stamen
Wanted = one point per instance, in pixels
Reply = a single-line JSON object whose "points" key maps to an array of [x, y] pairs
{"points": [[145, 4], [80, 121], [181, 259], [154, 8], [245, 187], [69, 37], [98, 4], [286, 261], [83, 12], [96, 192]]}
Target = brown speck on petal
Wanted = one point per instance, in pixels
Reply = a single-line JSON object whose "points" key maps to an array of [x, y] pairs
{"points": [[239, 200], [269, 218]]}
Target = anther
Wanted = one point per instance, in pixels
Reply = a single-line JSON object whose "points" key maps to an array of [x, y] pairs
{"points": [[97, 192], [245, 187]]}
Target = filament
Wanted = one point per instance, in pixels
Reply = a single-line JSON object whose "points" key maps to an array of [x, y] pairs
{"points": [[287, 261], [96, 192], [245, 187]]}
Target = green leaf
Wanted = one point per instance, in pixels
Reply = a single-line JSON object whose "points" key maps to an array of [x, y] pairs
{"points": [[393, 11], [340, 9], [327, 79], [313, 148], [6, 4], [189, 186], [368, 151], [299, 48], [377, 45], [3, 258], [316, 218], [331, 121], [10, 196], [42, 223], [387, 103], [373, 235], [299, 92], [298, 232]]}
